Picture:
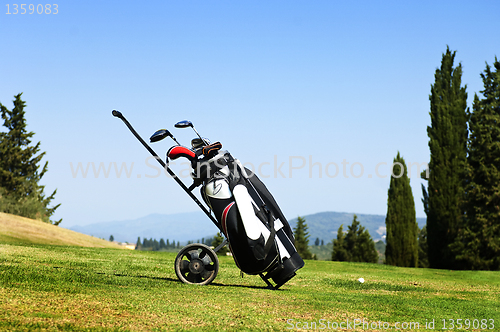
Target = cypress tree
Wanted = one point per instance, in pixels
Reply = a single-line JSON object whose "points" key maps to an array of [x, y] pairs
{"points": [[302, 239], [423, 261], [20, 172], [401, 221], [478, 241], [339, 252], [448, 149]]}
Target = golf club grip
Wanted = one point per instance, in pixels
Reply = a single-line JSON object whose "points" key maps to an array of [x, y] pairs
{"points": [[117, 114], [162, 163]]}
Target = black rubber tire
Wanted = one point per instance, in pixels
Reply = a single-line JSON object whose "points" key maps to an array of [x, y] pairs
{"points": [[196, 264]]}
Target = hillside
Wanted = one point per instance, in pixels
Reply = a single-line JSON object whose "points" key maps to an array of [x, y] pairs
{"points": [[20, 230], [324, 225]]}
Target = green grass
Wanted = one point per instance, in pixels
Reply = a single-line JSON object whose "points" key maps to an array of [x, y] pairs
{"points": [[45, 288]]}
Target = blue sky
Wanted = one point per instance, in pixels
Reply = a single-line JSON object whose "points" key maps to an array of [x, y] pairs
{"points": [[327, 82]]}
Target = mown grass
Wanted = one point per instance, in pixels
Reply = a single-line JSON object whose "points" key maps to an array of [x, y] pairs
{"points": [[45, 287]]}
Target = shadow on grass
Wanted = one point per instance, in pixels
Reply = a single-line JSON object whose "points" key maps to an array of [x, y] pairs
{"points": [[174, 280]]}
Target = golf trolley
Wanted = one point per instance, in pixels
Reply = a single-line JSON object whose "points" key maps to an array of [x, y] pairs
{"points": [[240, 206]]}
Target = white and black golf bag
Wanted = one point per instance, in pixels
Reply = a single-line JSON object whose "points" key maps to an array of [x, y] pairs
{"points": [[260, 238]]}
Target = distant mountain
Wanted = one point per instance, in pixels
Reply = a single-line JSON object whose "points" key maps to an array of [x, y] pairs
{"points": [[193, 226], [324, 225], [179, 227]]}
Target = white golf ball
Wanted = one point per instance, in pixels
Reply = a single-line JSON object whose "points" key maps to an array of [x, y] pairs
{"points": [[361, 280]]}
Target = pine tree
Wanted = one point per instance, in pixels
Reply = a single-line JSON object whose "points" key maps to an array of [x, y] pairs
{"points": [[111, 238], [138, 244], [478, 241], [359, 244], [302, 239], [355, 246], [20, 172], [163, 245], [401, 221], [339, 252], [218, 239], [448, 148], [366, 248]]}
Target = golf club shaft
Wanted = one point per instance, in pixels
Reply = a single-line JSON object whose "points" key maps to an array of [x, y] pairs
{"points": [[165, 166], [202, 139]]}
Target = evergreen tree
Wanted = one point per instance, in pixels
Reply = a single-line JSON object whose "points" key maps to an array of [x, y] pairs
{"points": [[355, 246], [322, 242], [478, 241], [401, 221], [218, 239], [302, 239], [448, 149], [359, 244], [317, 242], [339, 252], [111, 238], [163, 245], [366, 248], [138, 243], [20, 172]]}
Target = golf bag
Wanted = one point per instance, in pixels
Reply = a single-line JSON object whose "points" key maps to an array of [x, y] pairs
{"points": [[260, 238]]}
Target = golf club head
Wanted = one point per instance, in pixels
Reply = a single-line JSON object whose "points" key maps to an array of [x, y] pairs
{"points": [[159, 135], [198, 142], [183, 124]]}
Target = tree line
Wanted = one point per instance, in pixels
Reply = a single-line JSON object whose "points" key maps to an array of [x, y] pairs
{"points": [[355, 245], [462, 196], [155, 245]]}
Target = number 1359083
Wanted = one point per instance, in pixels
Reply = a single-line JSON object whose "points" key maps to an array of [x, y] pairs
{"points": [[14, 9]]}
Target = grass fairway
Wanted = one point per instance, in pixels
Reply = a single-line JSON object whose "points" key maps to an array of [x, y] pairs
{"points": [[45, 287]]}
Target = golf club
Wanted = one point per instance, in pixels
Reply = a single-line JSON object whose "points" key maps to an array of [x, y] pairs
{"points": [[119, 115], [185, 124], [161, 134]]}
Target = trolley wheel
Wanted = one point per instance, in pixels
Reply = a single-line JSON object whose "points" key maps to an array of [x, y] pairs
{"points": [[196, 264]]}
